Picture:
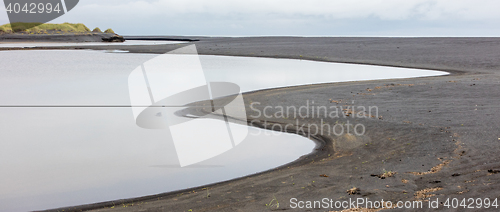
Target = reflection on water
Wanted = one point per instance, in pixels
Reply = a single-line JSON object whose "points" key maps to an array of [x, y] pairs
{"points": [[53, 157], [89, 149], [95, 78]]}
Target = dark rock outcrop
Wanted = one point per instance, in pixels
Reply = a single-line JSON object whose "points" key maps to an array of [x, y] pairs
{"points": [[114, 38]]}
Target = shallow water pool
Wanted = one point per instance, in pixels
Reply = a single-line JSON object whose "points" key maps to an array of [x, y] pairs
{"points": [[69, 135]]}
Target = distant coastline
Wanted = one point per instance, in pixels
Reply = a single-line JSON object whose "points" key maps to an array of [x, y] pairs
{"points": [[65, 32]]}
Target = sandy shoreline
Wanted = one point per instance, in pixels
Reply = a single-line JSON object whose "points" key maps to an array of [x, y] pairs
{"points": [[79, 37], [440, 134]]}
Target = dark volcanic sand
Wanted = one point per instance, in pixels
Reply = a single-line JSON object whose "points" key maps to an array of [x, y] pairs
{"points": [[67, 37], [447, 128]]}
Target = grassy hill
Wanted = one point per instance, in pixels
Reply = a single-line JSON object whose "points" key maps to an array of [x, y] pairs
{"points": [[32, 28]]}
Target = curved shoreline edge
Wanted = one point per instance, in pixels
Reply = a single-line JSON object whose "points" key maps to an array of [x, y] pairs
{"points": [[324, 148], [319, 152], [465, 71]]}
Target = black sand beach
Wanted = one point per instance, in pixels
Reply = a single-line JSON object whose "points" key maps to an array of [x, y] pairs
{"points": [[66, 37], [440, 135]]}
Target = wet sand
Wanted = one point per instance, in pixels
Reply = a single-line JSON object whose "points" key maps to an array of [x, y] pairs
{"points": [[439, 134], [67, 37]]}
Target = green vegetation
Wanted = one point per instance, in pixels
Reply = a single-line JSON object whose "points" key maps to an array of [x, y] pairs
{"points": [[38, 28], [5, 29], [109, 31], [274, 203], [97, 30]]}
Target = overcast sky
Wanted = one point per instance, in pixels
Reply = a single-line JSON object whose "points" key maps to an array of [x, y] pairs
{"points": [[289, 17]]}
